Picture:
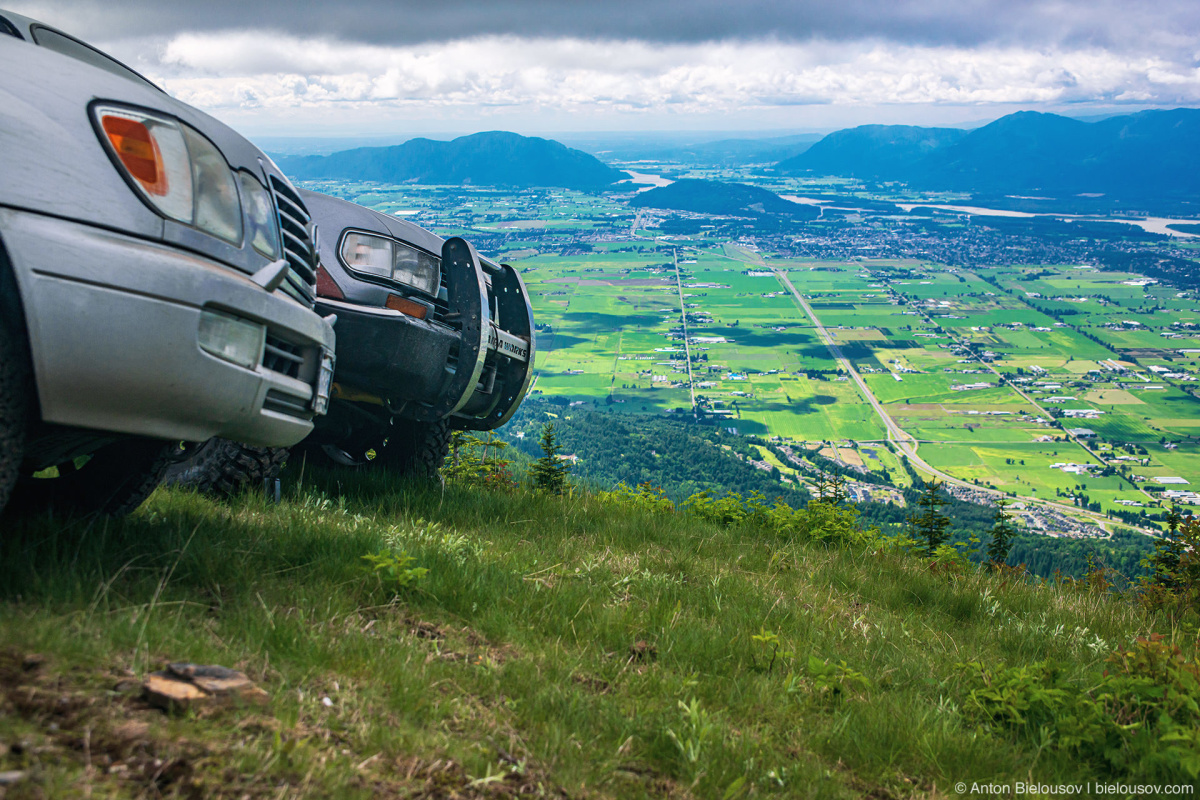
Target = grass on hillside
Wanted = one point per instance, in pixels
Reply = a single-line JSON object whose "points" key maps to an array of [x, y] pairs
{"points": [[556, 647]]}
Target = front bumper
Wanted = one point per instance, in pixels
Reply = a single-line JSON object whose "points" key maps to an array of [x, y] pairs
{"points": [[113, 323], [476, 373], [389, 354]]}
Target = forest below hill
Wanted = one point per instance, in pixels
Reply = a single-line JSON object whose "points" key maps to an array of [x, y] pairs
{"points": [[682, 458]]}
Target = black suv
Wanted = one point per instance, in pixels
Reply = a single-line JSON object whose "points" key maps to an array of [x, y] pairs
{"points": [[432, 337]]}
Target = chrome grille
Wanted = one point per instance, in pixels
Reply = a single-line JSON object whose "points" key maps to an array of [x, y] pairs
{"points": [[298, 247]]}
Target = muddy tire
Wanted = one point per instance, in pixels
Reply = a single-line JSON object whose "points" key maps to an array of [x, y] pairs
{"points": [[223, 468], [417, 449], [112, 482]]}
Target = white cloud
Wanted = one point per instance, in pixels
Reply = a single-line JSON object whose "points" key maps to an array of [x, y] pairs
{"points": [[234, 74]]}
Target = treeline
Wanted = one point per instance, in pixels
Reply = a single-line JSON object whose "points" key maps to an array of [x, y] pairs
{"points": [[1181, 272], [1045, 556], [681, 458], [678, 456]]}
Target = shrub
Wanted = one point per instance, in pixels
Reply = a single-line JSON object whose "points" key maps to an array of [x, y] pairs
{"points": [[1139, 718]]}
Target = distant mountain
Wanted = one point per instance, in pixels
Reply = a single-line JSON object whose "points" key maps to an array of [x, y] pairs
{"points": [[1151, 154], [871, 151], [719, 153], [714, 197], [496, 158]]}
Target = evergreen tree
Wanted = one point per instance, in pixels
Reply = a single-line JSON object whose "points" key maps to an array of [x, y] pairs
{"points": [[929, 523], [1002, 532], [1168, 551], [831, 488], [549, 472]]}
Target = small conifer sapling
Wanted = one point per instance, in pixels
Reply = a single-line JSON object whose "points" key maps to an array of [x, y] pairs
{"points": [[549, 473], [1002, 532]]}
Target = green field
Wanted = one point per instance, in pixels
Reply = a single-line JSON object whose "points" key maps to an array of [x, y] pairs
{"points": [[976, 364]]}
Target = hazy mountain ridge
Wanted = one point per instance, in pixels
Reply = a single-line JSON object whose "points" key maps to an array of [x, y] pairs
{"points": [[714, 197], [1149, 154], [726, 152], [492, 158], [870, 151]]}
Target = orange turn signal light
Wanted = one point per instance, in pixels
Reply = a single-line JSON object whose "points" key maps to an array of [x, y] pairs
{"points": [[406, 306], [135, 146]]}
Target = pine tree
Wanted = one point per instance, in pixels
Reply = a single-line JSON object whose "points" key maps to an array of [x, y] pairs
{"points": [[1002, 532], [549, 473], [930, 523], [832, 489], [1168, 551]]}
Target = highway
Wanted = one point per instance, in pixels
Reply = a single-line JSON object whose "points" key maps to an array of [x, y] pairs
{"points": [[687, 348]]}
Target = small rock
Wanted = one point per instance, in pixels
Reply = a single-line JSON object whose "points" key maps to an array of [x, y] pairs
{"points": [[212, 679], [11, 777], [184, 685], [170, 693]]}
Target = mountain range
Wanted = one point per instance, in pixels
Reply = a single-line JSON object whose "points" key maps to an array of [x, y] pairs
{"points": [[726, 152], [494, 158], [1151, 154]]}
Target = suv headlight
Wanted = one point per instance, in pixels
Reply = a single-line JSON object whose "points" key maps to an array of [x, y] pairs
{"points": [[387, 258], [175, 169]]}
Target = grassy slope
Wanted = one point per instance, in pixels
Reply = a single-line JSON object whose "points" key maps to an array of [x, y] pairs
{"points": [[513, 655]]}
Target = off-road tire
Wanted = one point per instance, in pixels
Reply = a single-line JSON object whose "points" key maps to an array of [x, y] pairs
{"points": [[416, 449], [14, 396], [114, 481], [15, 379], [224, 468]]}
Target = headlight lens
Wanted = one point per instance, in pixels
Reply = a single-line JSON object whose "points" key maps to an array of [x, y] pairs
{"points": [[416, 269], [264, 232], [370, 254], [376, 255], [217, 208], [175, 169]]}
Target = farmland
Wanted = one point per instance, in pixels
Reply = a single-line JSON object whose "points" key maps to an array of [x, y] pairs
{"points": [[1054, 381]]}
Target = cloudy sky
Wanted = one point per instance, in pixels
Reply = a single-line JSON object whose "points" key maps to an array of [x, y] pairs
{"points": [[366, 67]]}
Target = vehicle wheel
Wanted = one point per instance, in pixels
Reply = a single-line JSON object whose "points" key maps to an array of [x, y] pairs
{"points": [[416, 448], [223, 468], [112, 482], [14, 403]]}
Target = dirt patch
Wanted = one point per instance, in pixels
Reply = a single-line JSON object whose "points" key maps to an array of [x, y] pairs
{"points": [[442, 779], [87, 718], [88, 733], [597, 685]]}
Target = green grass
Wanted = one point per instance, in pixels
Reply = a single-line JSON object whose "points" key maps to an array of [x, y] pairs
{"points": [[514, 666]]}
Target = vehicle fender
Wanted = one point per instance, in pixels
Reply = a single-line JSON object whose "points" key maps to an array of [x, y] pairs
{"points": [[63, 169]]}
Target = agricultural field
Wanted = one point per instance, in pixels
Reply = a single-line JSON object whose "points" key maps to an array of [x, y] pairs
{"points": [[1001, 375]]}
